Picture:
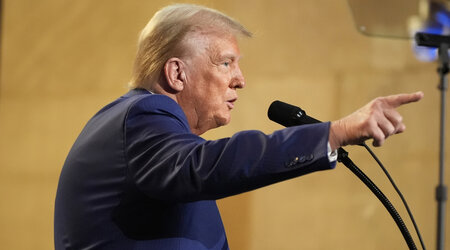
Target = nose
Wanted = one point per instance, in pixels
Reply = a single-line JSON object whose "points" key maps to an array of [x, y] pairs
{"points": [[238, 81]]}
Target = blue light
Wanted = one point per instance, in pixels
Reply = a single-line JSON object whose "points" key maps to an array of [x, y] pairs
{"points": [[433, 30], [439, 25], [425, 54], [443, 17]]}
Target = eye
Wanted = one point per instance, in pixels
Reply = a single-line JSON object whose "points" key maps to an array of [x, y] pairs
{"points": [[226, 64]]}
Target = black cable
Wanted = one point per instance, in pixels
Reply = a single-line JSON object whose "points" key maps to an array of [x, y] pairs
{"points": [[398, 192], [343, 157]]}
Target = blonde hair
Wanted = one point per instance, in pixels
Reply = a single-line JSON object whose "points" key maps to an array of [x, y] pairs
{"points": [[162, 37]]}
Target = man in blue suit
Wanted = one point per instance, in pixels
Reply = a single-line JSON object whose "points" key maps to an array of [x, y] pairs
{"points": [[140, 177]]}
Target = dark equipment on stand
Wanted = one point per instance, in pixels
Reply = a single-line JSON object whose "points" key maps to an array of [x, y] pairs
{"points": [[428, 22], [443, 44]]}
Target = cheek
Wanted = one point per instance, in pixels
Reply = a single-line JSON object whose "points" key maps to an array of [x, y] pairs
{"points": [[212, 90], [216, 92]]}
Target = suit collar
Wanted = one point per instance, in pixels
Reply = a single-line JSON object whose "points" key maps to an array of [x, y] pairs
{"points": [[137, 91]]}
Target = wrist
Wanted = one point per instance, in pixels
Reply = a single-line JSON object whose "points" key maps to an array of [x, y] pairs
{"points": [[335, 135]]}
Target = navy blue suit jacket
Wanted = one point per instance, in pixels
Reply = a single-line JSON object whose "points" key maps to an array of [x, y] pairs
{"points": [[137, 178]]}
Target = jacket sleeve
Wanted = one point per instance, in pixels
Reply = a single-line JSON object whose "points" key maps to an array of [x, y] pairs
{"points": [[167, 162]]}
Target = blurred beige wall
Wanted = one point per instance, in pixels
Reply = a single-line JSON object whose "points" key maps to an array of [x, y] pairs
{"points": [[63, 60]]}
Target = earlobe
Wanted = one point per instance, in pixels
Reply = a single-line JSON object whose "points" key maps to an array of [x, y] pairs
{"points": [[175, 76]]}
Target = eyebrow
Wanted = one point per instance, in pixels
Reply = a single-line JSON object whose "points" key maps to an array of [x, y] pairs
{"points": [[219, 56], [229, 56]]}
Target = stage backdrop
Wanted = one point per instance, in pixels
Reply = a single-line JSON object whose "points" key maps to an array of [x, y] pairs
{"points": [[61, 61]]}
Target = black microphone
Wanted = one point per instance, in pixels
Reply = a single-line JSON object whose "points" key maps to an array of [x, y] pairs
{"points": [[288, 115]]}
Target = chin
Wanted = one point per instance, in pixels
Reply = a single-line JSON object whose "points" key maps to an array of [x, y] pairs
{"points": [[224, 120]]}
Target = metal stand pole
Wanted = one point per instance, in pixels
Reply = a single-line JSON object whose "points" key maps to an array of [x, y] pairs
{"points": [[442, 43], [441, 189]]}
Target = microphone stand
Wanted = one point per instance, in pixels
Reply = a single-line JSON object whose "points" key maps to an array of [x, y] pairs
{"points": [[442, 43], [441, 189]]}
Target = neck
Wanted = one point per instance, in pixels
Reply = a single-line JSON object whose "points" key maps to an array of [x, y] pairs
{"points": [[196, 124], [191, 114]]}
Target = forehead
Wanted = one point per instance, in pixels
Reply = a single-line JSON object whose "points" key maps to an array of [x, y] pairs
{"points": [[214, 44]]}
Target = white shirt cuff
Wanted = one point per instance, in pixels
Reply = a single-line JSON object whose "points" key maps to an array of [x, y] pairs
{"points": [[332, 155]]}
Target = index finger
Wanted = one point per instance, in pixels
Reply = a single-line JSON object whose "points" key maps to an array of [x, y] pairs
{"points": [[400, 99]]}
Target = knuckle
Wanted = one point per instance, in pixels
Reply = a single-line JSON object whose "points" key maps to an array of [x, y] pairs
{"points": [[372, 124], [379, 101], [367, 127], [391, 131], [401, 128]]}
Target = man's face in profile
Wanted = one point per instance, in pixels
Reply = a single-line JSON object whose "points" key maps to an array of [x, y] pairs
{"points": [[212, 77]]}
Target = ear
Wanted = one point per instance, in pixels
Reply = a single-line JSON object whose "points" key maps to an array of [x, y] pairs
{"points": [[175, 75]]}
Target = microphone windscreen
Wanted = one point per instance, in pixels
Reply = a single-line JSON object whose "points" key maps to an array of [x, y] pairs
{"points": [[282, 113], [288, 115]]}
